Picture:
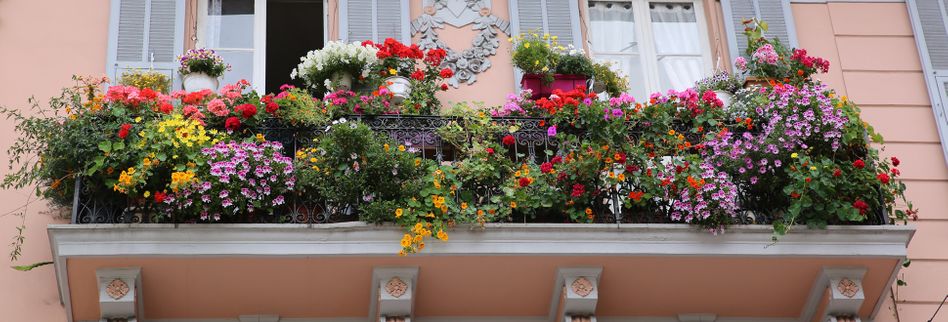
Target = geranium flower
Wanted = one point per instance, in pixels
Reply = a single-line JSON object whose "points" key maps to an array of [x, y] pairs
{"points": [[490, 151], [123, 130], [859, 164], [524, 181], [217, 107], [551, 131], [636, 195], [232, 123], [546, 167], [883, 177], [860, 205], [446, 73], [246, 110], [895, 161], [160, 196], [578, 190], [418, 75], [509, 140], [444, 87]]}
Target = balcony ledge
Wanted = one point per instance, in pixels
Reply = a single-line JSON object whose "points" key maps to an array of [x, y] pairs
{"points": [[363, 239]]}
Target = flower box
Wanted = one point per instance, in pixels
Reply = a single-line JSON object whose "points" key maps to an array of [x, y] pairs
{"points": [[535, 83], [757, 81]]}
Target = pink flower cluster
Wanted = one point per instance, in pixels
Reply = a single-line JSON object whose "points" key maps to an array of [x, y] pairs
{"points": [[766, 54], [820, 64]]}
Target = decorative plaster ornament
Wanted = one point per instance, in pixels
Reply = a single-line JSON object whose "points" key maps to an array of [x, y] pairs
{"points": [[116, 289], [396, 287], [582, 287], [847, 287], [458, 13]]}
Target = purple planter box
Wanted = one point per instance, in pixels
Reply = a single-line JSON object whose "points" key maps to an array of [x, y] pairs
{"points": [[534, 82]]}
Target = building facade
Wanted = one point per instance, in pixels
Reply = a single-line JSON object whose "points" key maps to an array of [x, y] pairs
{"points": [[890, 57]]}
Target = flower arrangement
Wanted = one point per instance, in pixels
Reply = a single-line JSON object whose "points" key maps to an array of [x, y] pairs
{"points": [[608, 80], [770, 59], [150, 79], [422, 69], [543, 55], [320, 68], [204, 61], [239, 180], [296, 107]]}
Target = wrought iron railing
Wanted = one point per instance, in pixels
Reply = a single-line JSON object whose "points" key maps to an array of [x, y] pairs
{"points": [[419, 132]]}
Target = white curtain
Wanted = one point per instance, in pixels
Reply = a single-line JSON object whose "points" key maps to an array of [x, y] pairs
{"points": [[677, 44], [229, 31], [612, 36]]}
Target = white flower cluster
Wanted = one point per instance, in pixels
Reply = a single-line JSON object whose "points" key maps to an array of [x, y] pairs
{"points": [[333, 56]]}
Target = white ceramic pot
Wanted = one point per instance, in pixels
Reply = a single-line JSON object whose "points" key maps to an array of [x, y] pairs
{"points": [[194, 82], [725, 97], [341, 81], [400, 88]]}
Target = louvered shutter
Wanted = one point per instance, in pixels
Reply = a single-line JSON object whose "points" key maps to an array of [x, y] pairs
{"points": [[374, 20], [776, 13], [145, 34], [556, 17], [930, 18]]}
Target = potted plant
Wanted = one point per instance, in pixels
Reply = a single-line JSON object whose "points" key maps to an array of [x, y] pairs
{"points": [[333, 67], [200, 69], [607, 81], [396, 62], [547, 65], [723, 85], [142, 79], [770, 61]]}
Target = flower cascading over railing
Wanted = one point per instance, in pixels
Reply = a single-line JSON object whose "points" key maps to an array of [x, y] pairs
{"points": [[788, 152]]}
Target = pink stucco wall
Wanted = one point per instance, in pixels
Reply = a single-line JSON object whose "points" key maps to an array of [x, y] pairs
{"points": [[875, 61], [43, 44]]}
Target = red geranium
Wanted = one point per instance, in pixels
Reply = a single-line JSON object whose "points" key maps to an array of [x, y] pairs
{"points": [[895, 172], [895, 161], [246, 110], [123, 130], [509, 140], [160, 196], [837, 172], [546, 167], [232, 123], [148, 93], [446, 73], [166, 108], [860, 205], [859, 164], [524, 181], [195, 98], [444, 87], [418, 75], [636, 195], [435, 56], [490, 151], [556, 159], [883, 177], [578, 190]]}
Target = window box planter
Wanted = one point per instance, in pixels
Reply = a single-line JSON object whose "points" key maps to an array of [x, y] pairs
{"points": [[535, 83]]}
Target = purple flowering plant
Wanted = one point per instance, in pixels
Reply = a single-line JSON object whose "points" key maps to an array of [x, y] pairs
{"points": [[202, 60], [240, 179]]}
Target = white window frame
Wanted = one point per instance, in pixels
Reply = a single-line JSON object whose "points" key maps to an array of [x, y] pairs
{"points": [[259, 37], [645, 40]]}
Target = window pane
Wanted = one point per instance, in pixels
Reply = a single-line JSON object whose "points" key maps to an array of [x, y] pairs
{"points": [[679, 72], [612, 27], [675, 28], [630, 65], [241, 62], [230, 24]]}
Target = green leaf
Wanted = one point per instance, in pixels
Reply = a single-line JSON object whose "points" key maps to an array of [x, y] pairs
{"points": [[26, 268], [105, 146], [118, 145]]}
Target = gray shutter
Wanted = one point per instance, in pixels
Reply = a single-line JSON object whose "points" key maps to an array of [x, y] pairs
{"points": [[145, 34], [930, 18], [556, 17], [374, 20], [776, 13]]}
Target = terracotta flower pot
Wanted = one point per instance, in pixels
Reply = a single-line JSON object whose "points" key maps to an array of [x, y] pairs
{"points": [[535, 83]]}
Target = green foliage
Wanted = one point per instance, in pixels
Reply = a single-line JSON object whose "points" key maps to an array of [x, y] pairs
{"points": [[157, 81], [609, 81]]}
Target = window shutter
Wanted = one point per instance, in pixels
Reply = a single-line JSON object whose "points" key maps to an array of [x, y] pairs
{"points": [[374, 20], [776, 13], [930, 22], [557, 17], [145, 34]]}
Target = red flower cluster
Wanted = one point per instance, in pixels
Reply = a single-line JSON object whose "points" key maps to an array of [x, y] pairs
{"points": [[160, 196], [883, 177], [862, 206], [490, 151], [195, 98], [820, 64], [561, 99], [232, 123], [446, 73], [434, 57], [524, 181], [859, 164], [392, 47], [578, 190], [895, 161], [418, 75], [123, 130], [246, 110], [546, 167], [269, 105], [166, 108], [711, 98], [509, 140]]}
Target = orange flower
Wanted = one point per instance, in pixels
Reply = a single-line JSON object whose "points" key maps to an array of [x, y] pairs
{"points": [[636, 195]]}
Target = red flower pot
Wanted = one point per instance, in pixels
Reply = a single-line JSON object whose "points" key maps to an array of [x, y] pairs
{"points": [[534, 82]]}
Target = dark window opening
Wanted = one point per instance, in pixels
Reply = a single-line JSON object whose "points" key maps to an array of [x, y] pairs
{"points": [[294, 27]]}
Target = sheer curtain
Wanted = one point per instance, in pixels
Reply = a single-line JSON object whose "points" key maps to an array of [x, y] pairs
{"points": [[612, 37], [677, 44], [229, 31]]}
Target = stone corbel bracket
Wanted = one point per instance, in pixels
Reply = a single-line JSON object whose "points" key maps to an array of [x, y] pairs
{"points": [[393, 293], [580, 293], [120, 294]]}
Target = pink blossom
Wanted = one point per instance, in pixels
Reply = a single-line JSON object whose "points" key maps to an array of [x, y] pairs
{"points": [[218, 107], [741, 63], [766, 54]]}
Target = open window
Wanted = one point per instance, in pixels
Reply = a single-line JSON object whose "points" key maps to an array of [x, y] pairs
{"points": [[660, 45], [261, 50]]}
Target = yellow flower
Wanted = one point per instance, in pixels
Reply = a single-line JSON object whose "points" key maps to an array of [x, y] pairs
{"points": [[526, 45], [430, 215], [406, 240], [442, 235], [812, 168], [418, 238], [392, 71], [401, 148], [138, 119], [463, 206], [260, 137], [312, 160], [402, 252], [794, 155], [589, 211], [517, 174], [671, 132], [386, 147], [510, 39], [146, 194], [398, 212], [418, 162], [621, 177], [513, 204]]}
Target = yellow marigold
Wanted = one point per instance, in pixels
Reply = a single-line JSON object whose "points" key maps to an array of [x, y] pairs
{"points": [[406, 240], [401, 148], [417, 162], [418, 238], [386, 147], [398, 212]]}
